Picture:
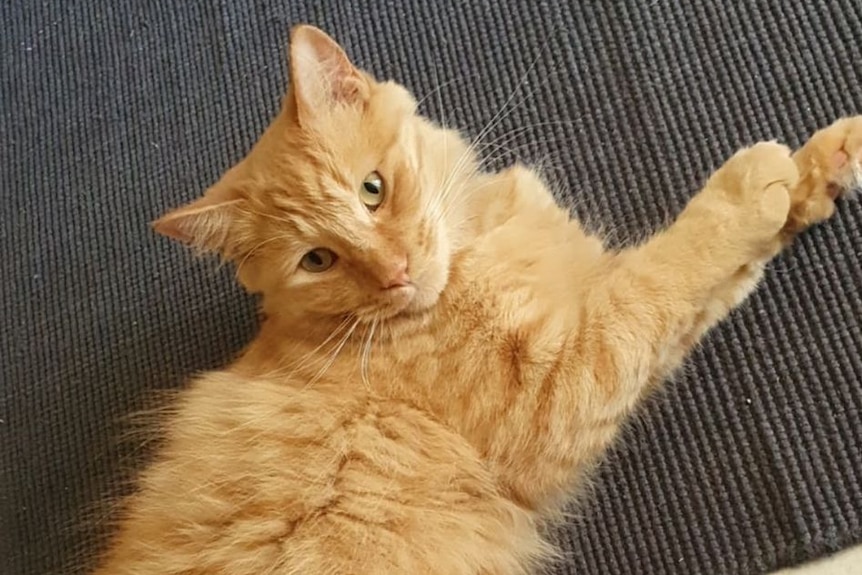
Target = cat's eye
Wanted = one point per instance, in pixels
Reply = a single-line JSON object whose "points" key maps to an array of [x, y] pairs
{"points": [[372, 191], [318, 260]]}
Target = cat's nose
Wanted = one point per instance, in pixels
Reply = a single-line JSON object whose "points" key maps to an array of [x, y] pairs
{"points": [[395, 274]]}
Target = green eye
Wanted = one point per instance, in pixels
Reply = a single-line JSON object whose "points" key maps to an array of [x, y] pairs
{"points": [[318, 260], [372, 192]]}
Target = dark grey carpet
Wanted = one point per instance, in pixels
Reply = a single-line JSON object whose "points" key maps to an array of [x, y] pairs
{"points": [[112, 111]]}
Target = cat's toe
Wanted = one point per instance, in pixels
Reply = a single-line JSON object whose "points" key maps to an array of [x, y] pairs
{"points": [[830, 164], [834, 155], [752, 171], [758, 180]]}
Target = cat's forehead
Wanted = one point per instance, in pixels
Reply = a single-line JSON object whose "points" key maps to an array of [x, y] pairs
{"points": [[318, 194], [355, 140], [319, 173], [336, 163]]}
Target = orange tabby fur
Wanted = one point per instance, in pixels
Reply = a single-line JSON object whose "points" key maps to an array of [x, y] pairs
{"points": [[431, 428]]}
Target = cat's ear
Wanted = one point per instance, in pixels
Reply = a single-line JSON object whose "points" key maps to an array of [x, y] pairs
{"points": [[321, 74], [207, 222]]}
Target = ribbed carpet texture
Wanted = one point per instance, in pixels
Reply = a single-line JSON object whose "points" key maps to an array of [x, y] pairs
{"points": [[113, 111]]}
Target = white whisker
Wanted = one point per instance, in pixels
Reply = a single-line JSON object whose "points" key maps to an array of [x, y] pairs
{"points": [[253, 250], [437, 200], [462, 162], [366, 355], [334, 355], [443, 85], [312, 356]]}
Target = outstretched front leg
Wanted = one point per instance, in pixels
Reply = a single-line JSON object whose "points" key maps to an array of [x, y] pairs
{"points": [[829, 166], [663, 296], [648, 305]]}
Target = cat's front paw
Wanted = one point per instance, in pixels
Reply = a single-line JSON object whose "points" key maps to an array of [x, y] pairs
{"points": [[756, 182], [830, 165]]}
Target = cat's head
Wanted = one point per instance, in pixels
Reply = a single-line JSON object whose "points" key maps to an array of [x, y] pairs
{"points": [[350, 203]]}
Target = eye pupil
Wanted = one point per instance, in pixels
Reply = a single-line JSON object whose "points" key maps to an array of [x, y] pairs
{"points": [[318, 260], [371, 187], [372, 191]]}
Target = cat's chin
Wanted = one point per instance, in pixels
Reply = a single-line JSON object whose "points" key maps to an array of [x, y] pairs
{"points": [[403, 302], [423, 299]]}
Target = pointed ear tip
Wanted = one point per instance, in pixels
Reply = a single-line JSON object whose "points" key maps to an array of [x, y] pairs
{"points": [[164, 226], [299, 28], [307, 31]]}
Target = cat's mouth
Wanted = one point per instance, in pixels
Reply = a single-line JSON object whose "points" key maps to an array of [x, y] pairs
{"points": [[418, 295], [400, 301], [397, 300]]}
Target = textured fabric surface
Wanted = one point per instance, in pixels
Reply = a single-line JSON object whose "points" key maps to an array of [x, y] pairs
{"points": [[112, 111]]}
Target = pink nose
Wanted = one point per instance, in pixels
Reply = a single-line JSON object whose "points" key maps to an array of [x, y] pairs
{"points": [[396, 275]]}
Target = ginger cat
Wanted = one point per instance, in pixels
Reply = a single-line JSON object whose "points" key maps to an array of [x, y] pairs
{"points": [[445, 351]]}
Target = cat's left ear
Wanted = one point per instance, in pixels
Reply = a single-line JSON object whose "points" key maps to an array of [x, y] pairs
{"points": [[321, 75], [210, 223]]}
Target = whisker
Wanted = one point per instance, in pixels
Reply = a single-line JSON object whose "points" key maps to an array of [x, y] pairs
{"points": [[515, 132], [436, 204], [334, 355], [499, 152], [492, 123], [312, 356], [366, 355], [497, 145], [254, 249], [439, 87], [501, 114], [279, 372]]}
